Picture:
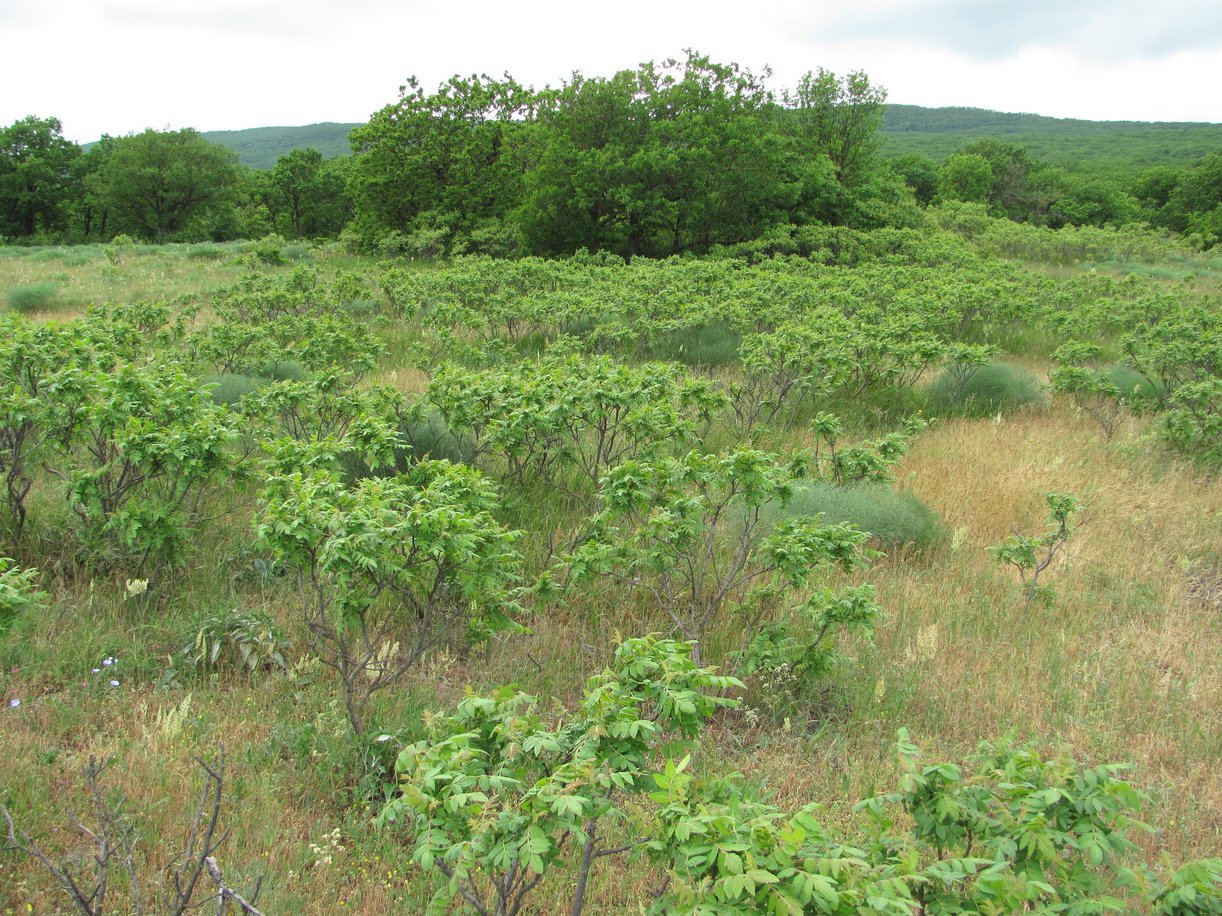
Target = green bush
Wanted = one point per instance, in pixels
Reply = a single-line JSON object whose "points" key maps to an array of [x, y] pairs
{"points": [[991, 389], [248, 641], [230, 388], [18, 592], [267, 250], [894, 518], [32, 298]]}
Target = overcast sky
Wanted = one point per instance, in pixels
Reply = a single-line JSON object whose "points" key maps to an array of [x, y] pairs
{"points": [[115, 66]]}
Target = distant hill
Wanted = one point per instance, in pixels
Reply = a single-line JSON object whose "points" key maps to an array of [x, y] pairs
{"points": [[1127, 146], [1119, 145], [260, 147]]}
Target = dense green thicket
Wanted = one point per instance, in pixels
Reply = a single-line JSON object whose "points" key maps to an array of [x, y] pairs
{"points": [[679, 157]]}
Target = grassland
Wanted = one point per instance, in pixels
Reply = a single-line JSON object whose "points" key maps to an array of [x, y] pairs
{"points": [[1125, 664]]}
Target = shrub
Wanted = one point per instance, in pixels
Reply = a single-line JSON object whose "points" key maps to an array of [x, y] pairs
{"points": [[35, 297], [894, 518], [267, 250], [390, 568], [18, 592], [247, 640], [991, 389], [1030, 556]]}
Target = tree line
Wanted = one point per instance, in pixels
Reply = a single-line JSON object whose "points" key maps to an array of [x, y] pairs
{"points": [[670, 158]]}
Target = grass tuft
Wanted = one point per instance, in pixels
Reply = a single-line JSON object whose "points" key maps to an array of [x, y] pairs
{"points": [[895, 518], [35, 297], [992, 389]]}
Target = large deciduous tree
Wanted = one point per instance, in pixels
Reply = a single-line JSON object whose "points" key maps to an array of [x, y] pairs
{"points": [[305, 194], [658, 161], [444, 159], [36, 175], [839, 118], [157, 182]]}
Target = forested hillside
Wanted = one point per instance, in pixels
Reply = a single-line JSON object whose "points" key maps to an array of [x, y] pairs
{"points": [[1123, 145], [260, 147]]}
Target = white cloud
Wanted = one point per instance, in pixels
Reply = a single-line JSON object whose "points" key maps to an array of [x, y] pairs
{"points": [[115, 66]]}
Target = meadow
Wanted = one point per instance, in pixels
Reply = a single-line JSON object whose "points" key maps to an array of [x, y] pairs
{"points": [[300, 508]]}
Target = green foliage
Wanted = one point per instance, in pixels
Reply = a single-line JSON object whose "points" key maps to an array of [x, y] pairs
{"points": [[156, 183], [994, 388], [563, 416], [663, 521], [1194, 420], [1031, 555], [1092, 390], [390, 568], [895, 519], [142, 448], [441, 162], [966, 177], [304, 196], [248, 641], [864, 462], [664, 159], [37, 176], [19, 592], [839, 118], [496, 796], [34, 361], [1194, 889], [267, 250], [33, 297]]}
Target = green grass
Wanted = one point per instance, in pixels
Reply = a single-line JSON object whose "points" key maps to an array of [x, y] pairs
{"points": [[996, 388], [711, 344], [34, 297], [895, 518], [230, 388], [1132, 384]]}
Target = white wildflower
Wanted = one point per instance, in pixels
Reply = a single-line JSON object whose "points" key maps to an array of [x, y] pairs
{"points": [[136, 587]]}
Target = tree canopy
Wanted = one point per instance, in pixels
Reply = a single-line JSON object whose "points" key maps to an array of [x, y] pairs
{"points": [[154, 183], [36, 175]]}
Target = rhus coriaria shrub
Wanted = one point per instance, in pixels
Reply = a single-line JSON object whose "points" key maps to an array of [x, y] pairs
{"points": [[391, 567], [690, 533], [502, 791], [140, 449]]}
